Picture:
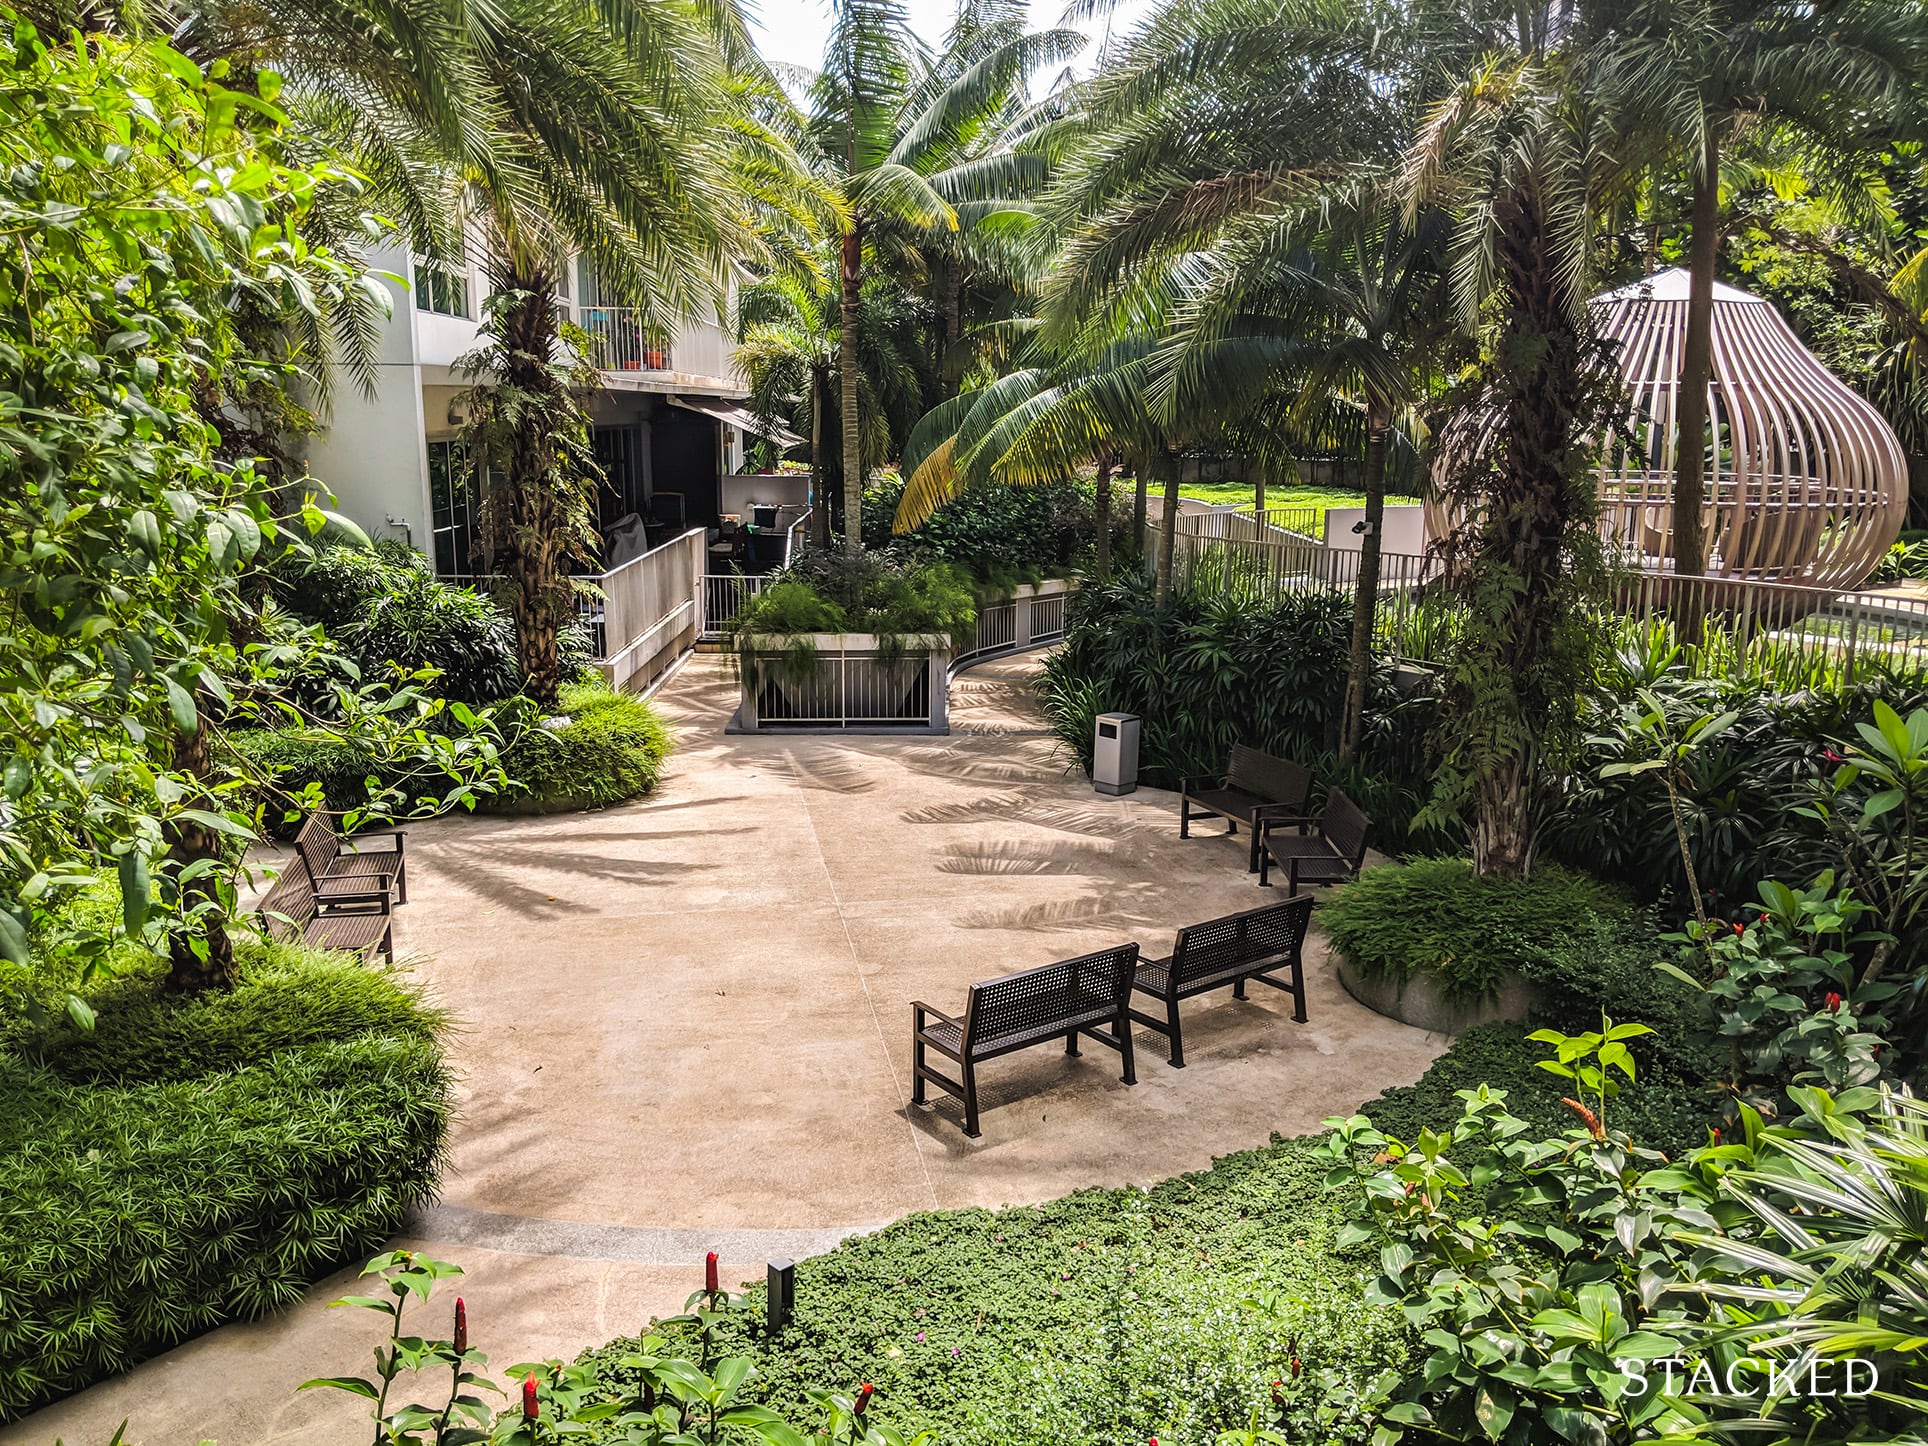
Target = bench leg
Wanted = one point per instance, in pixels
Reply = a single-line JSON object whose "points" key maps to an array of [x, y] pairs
{"points": [[1071, 1042], [1178, 1039], [918, 1095], [1238, 989], [1298, 990], [1265, 865], [401, 882], [1184, 817], [970, 1099], [1123, 1028], [1292, 878]]}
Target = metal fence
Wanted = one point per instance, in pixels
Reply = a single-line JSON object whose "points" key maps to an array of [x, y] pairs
{"points": [[725, 593], [1032, 616], [1784, 635]]}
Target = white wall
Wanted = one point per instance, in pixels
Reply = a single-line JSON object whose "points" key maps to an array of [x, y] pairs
{"points": [[1404, 529], [783, 488], [370, 453]]}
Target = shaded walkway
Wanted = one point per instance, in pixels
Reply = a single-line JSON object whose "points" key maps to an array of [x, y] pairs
{"points": [[686, 1026]]}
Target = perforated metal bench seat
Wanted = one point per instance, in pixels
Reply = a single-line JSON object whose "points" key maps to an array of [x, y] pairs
{"points": [[1089, 995], [1234, 950], [1254, 786], [1329, 851]]}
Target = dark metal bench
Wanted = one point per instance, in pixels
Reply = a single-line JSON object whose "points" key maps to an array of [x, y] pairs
{"points": [[1253, 787], [1331, 855], [333, 863], [340, 915], [1057, 1001], [1231, 950]]}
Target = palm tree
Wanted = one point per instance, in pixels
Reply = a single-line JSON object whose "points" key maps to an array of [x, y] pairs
{"points": [[1327, 307], [910, 148], [789, 337], [1690, 80], [611, 128]]}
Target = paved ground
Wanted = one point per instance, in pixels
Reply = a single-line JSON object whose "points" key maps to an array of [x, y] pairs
{"points": [[686, 1028]]}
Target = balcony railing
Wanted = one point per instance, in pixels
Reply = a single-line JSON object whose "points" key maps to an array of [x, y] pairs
{"points": [[620, 343]]}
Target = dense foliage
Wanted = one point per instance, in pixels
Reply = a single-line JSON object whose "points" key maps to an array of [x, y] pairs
{"points": [[600, 748], [999, 535], [190, 1162], [1467, 933], [848, 591], [610, 749]]}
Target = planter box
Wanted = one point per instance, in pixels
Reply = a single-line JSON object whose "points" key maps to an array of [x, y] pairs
{"points": [[851, 683], [1418, 1002]]}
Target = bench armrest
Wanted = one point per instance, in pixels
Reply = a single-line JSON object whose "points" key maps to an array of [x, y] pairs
{"points": [[353, 845], [919, 1009], [1282, 812], [1267, 822], [1217, 780], [360, 901]]}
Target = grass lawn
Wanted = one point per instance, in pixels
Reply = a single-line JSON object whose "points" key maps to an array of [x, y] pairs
{"points": [[1222, 494]]}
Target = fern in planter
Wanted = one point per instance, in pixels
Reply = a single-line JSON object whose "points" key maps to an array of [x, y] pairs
{"points": [[848, 592]]}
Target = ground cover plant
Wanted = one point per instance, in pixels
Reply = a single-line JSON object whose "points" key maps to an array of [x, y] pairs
{"points": [[190, 1161]]}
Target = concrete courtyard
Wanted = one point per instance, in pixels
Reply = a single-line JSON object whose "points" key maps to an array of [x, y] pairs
{"points": [[685, 1025]]}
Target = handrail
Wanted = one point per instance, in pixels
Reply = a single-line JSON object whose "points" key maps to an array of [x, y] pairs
{"points": [[639, 557]]}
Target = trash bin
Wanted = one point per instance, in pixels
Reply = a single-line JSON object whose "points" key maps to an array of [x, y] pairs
{"points": [[1114, 753]]}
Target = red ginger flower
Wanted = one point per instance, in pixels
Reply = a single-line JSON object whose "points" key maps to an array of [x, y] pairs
{"points": [[863, 1398], [461, 1326], [530, 1408], [1278, 1395], [1833, 1002], [709, 1273]]}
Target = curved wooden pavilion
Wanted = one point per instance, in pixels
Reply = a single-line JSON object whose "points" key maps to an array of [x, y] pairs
{"points": [[1806, 482]]}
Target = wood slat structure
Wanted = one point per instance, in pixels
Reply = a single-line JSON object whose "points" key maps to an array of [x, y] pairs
{"points": [[1806, 482]]}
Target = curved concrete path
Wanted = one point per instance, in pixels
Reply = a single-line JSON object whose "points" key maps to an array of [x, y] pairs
{"points": [[686, 1027]]}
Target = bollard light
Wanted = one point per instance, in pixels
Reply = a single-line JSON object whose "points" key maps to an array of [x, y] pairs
{"points": [[781, 1294]]}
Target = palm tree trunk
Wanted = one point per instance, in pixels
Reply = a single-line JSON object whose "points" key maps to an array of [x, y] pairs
{"points": [[1696, 368], [950, 364], [1365, 593], [1168, 534], [200, 956], [1258, 493], [1103, 560], [534, 560], [820, 517], [853, 442]]}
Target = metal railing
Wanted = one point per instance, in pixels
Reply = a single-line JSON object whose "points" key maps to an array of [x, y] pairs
{"points": [[1032, 616], [619, 342], [651, 609], [1786, 635], [847, 680]]}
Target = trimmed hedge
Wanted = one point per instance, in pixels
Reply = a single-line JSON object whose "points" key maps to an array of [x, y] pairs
{"points": [[1467, 934], [611, 751], [197, 1161]]}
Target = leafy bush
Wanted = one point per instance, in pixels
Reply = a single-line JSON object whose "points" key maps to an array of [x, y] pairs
{"points": [[385, 605], [340, 767], [996, 533], [1468, 934], [859, 592], [611, 750], [194, 1162]]}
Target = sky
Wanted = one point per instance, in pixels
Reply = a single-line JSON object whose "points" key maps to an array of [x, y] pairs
{"points": [[794, 31]]}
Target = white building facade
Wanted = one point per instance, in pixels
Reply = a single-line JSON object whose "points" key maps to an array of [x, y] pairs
{"points": [[670, 428]]}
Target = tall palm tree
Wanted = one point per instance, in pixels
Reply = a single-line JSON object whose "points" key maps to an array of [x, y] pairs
{"points": [[908, 144], [611, 128], [1348, 306], [1689, 81], [789, 332]]}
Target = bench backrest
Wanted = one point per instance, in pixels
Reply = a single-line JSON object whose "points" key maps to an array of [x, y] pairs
{"points": [[316, 843], [1277, 780], [289, 903], [1071, 993], [1345, 826], [1220, 946]]}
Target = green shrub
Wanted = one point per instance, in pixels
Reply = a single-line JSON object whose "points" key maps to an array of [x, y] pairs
{"points": [[1468, 934], [611, 750], [341, 768], [860, 592], [199, 1161], [1000, 534]]}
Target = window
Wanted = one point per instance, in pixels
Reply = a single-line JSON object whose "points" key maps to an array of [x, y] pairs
{"points": [[455, 496], [440, 290]]}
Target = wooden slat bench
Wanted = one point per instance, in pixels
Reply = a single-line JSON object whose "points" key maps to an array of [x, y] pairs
{"points": [[1253, 787], [1331, 855], [1056, 1001], [329, 858], [339, 914], [1231, 950]]}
